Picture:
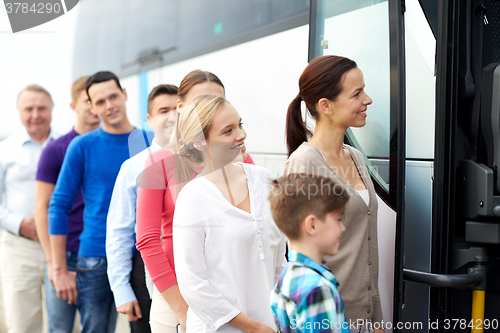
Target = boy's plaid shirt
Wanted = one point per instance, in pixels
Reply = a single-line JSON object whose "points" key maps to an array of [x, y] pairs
{"points": [[305, 298]]}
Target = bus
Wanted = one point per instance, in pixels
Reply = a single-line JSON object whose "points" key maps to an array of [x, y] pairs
{"points": [[431, 142]]}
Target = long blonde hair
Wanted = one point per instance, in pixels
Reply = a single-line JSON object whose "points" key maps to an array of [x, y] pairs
{"points": [[193, 125]]}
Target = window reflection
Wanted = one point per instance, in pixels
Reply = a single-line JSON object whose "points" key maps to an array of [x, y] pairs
{"points": [[359, 30]]}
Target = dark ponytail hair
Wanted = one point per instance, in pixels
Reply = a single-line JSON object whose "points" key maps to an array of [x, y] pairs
{"points": [[322, 78], [193, 78]]}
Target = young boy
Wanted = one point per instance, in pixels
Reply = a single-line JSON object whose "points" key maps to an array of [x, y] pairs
{"points": [[308, 210]]}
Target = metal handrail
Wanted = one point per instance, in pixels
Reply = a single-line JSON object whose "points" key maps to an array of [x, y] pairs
{"points": [[443, 280]]}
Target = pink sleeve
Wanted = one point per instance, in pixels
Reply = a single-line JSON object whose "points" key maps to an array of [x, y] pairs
{"points": [[249, 160], [150, 205]]}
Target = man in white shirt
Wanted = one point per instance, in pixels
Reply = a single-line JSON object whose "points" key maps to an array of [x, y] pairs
{"points": [[22, 261], [125, 265]]}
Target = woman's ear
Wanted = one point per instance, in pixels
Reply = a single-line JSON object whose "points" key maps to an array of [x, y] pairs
{"points": [[324, 106], [200, 145]]}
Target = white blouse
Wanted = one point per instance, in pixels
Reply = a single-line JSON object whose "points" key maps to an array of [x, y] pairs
{"points": [[364, 195], [226, 260]]}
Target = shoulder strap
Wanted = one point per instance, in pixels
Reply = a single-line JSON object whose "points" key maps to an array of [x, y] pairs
{"points": [[146, 139]]}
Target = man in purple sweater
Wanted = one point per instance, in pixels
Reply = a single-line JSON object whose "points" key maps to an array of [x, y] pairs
{"points": [[61, 307]]}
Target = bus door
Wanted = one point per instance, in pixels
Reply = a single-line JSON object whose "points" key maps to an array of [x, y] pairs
{"points": [[467, 189], [371, 33], [451, 264]]}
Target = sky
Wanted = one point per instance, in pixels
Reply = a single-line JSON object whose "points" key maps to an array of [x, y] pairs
{"points": [[41, 55]]}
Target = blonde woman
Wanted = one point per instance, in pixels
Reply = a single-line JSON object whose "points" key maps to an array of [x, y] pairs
{"points": [[228, 251]]}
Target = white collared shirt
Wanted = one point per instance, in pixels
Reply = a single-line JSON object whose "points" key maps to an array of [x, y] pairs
{"points": [[121, 226], [226, 260], [19, 155]]}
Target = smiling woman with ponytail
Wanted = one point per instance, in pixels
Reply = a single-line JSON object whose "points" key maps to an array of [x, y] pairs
{"points": [[332, 89], [296, 130], [321, 79]]}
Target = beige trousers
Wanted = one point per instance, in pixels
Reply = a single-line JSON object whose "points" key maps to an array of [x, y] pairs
{"points": [[22, 272], [162, 318]]}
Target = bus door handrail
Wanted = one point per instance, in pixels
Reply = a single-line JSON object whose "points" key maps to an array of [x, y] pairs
{"points": [[443, 280]]}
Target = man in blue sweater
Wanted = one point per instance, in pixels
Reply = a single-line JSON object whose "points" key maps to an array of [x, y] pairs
{"points": [[125, 265], [92, 162]]}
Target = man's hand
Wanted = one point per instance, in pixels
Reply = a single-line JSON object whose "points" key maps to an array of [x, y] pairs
{"points": [[378, 330], [131, 309], [28, 229], [65, 284]]}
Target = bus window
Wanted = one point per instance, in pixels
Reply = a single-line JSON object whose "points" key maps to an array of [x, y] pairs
{"points": [[359, 30]]}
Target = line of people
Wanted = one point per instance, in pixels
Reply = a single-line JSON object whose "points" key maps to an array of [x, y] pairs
{"points": [[188, 234]]}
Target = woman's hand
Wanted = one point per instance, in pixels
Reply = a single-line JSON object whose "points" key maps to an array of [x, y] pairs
{"points": [[174, 298], [262, 328], [379, 330], [182, 316], [249, 325]]}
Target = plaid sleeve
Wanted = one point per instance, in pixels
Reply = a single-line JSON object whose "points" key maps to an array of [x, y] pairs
{"points": [[321, 311]]}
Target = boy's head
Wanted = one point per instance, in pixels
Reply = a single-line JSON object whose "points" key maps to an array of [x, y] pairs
{"points": [[309, 208]]}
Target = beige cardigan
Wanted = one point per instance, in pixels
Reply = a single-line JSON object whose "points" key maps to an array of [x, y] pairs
{"points": [[356, 264]]}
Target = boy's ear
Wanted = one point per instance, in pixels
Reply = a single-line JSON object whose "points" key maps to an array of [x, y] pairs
{"points": [[309, 225]]}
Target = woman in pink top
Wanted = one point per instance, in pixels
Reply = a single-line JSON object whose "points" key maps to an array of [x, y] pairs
{"points": [[155, 208]]}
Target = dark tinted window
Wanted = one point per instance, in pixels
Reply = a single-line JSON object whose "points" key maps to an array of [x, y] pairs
{"points": [[491, 34], [339, 7], [129, 37], [203, 23], [430, 8], [282, 9], [99, 36], [151, 29]]}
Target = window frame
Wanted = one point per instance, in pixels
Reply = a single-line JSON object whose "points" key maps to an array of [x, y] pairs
{"points": [[397, 97]]}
